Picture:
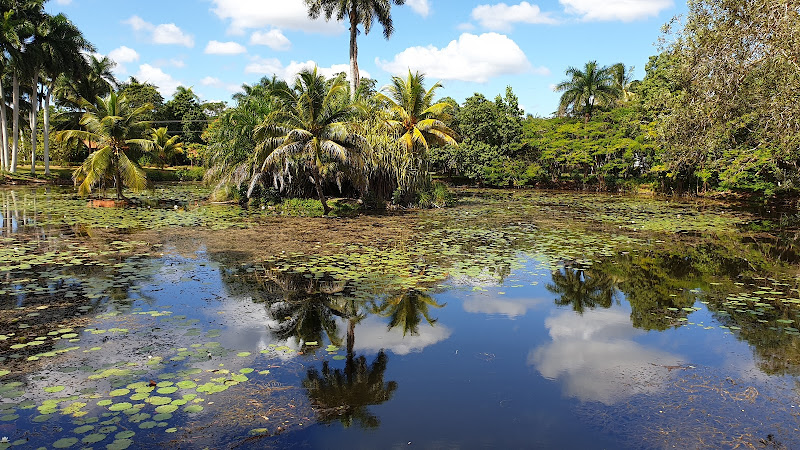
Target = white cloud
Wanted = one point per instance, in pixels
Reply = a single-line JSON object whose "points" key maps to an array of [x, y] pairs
{"points": [[466, 26], [123, 55], [163, 81], [596, 358], [421, 7], [63, 2], [502, 16], [224, 48], [253, 14], [274, 39], [165, 33], [624, 10], [509, 307], [270, 66], [470, 58]]}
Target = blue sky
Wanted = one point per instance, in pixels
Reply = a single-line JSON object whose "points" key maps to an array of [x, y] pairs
{"points": [[469, 45]]}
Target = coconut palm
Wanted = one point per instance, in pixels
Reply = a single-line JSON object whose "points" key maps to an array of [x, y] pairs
{"points": [[414, 116], [582, 288], [164, 146], [310, 130], [357, 12], [111, 127], [586, 89]]}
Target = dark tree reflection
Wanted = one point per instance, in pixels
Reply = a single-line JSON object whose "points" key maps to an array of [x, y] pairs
{"points": [[407, 310], [582, 288]]}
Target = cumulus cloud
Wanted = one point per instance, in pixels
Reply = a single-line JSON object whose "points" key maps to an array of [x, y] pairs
{"points": [[165, 33], [121, 56], [224, 48], [624, 10], [273, 66], [273, 39], [509, 307], [163, 81], [470, 58], [502, 16], [254, 14], [596, 357], [421, 7]]}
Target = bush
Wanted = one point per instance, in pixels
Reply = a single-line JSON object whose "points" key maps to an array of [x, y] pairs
{"points": [[190, 173]]}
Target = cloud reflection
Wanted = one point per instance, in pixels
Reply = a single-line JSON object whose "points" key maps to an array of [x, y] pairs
{"points": [[372, 335], [596, 358]]}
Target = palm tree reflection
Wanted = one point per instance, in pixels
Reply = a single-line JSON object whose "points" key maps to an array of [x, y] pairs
{"points": [[582, 288], [407, 310]]}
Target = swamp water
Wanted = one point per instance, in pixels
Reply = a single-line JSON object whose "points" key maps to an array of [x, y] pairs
{"points": [[513, 320]]}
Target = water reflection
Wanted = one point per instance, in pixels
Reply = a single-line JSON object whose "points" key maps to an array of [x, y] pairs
{"points": [[406, 310], [583, 288], [596, 357]]}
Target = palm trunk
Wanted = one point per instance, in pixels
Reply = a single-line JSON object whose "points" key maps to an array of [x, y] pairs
{"points": [[47, 131], [3, 128], [34, 105], [354, 77], [15, 124], [118, 182], [318, 184]]}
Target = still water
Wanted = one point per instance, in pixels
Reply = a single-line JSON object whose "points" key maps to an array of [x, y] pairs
{"points": [[513, 320]]}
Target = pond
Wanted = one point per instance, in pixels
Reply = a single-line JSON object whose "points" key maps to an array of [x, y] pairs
{"points": [[514, 319]]}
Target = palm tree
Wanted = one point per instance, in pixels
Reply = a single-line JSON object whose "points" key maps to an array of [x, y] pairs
{"points": [[413, 113], [9, 44], [622, 78], [112, 127], [419, 123], [358, 12], [586, 89], [407, 310], [61, 49], [164, 147], [311, 129]]}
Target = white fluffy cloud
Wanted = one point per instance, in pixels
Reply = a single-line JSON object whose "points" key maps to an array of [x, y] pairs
{"points": [[63, 2], [624, 10], [165, 33], [224, 48], [254, 14], [273, 39], [421, 7], [470, 58], [163, 81], [270, 66], [123, 55], [502, 16]]}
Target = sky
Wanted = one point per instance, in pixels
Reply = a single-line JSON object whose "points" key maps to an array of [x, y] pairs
{"points": [[470, 46]]}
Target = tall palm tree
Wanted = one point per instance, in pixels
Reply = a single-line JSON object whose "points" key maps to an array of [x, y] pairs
{"points": [[586, 89], [61, 48], [582, 288], [112, 127], [165, 147], [9, 44], [358, 12], [311, 129]]}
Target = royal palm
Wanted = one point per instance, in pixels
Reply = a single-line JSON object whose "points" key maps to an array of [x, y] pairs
{"points": [[586, 89]]}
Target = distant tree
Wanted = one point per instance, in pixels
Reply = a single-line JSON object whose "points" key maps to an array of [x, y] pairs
{"points": [[183, 115], [165, 148], [586, 89], [139, 94]]}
